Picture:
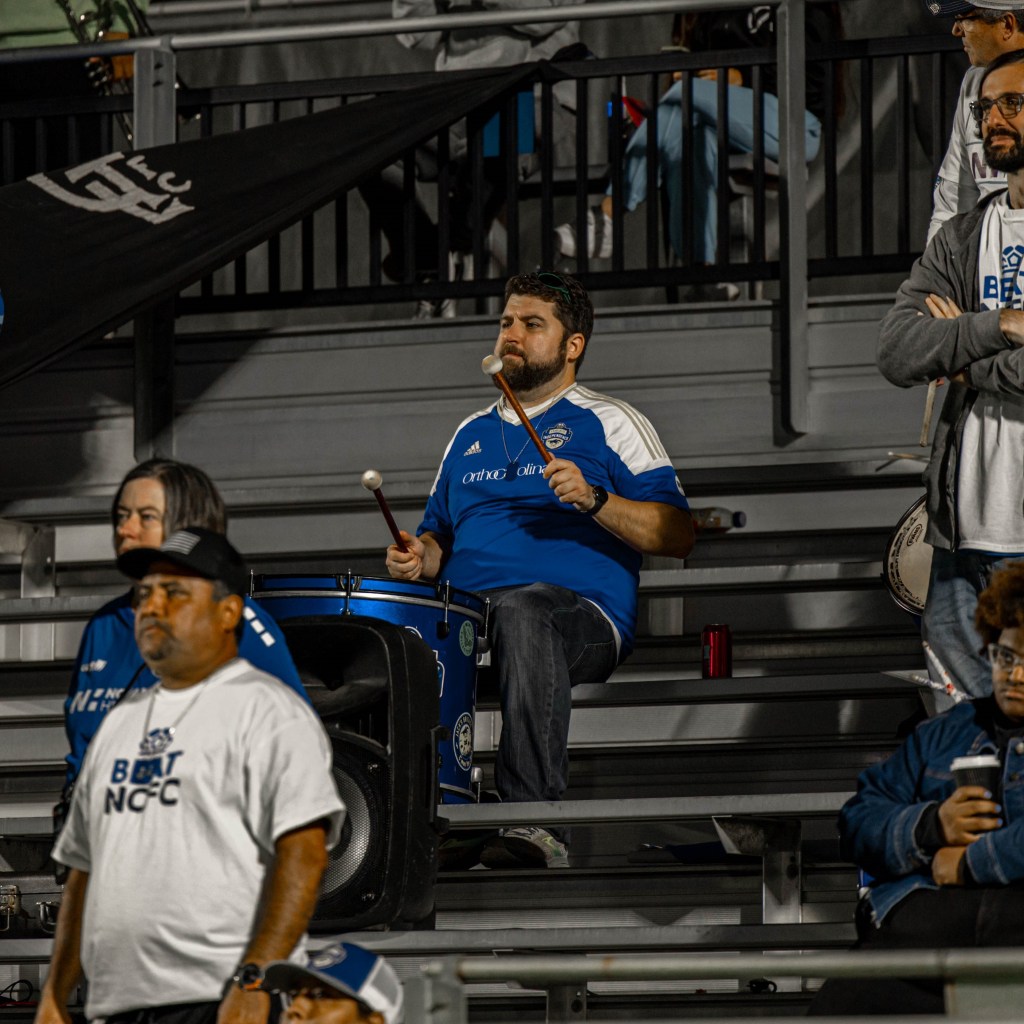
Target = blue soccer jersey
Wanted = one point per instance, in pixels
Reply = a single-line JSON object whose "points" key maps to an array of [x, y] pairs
{"points": [[507, 528], [109, 662]]}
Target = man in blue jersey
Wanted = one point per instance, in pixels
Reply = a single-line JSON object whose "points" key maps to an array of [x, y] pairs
{"points": [[557, 548]]}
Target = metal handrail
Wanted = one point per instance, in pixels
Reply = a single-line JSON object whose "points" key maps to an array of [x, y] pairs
{"points": [[369, 27], [988, 963]]}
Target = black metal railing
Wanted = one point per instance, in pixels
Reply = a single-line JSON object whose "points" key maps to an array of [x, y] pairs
{"points": [[866, 182]]}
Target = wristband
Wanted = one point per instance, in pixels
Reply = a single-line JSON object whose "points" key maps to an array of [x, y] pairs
{"points": [[600, 498]]}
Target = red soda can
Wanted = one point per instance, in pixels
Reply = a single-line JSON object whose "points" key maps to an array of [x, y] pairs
{"points": [[716, 651]]}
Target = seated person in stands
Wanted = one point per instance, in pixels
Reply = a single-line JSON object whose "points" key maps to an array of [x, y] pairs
{"points": [[947, 861], [342, 984], [729, 30], [464, 49], [156, 498]]}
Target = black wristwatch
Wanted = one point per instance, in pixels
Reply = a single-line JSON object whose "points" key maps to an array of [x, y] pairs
{"points": [[600, 498], [248, 977]]}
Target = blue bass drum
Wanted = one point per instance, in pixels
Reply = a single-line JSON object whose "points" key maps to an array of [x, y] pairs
{"points": [[449, 621]]}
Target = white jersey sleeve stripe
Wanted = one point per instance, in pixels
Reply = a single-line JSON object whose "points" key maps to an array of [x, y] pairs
{"points": [[628, 433]]}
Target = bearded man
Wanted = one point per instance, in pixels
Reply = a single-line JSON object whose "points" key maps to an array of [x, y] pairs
{"points": [[556, 547], [969, 281]]}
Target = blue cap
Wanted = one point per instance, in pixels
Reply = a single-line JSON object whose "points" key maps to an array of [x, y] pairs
{"points": [[349, 970]]}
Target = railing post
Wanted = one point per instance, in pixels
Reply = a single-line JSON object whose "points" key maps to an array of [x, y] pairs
{"points": [[436, 995], [37, 547], [153, 116], [155, 124], [791, 350]]}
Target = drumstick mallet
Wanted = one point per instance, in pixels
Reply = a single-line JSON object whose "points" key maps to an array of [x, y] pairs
{"points": [[491, 365], [372, 480], [929, 408]]}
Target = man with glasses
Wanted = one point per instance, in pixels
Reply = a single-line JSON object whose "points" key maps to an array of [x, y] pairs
{"points": [[946, 860], [960, 316], [556, 547], [988, 28]]}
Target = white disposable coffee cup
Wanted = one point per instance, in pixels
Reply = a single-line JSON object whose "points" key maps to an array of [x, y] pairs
{"points": [[977, 770]]}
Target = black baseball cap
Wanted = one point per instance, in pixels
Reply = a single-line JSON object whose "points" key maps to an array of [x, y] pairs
{"points": [[950, 7], [206, 553]]}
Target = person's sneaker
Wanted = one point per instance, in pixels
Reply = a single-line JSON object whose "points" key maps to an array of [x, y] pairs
{"points": [[525, 847], [462, 852], [441, 309], [435, 309], [599, 236], [718, 291]]}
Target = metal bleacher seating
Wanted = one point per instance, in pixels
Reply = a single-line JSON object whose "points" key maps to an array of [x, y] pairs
{"points": [[658, 755], [702, 810]]}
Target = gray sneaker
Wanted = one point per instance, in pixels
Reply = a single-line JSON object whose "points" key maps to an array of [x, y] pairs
{"points": [[525, 847]]}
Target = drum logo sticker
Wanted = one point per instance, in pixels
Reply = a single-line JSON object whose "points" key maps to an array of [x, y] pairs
{"points": [[437, 656], [466, 639], [557, 437], [462, 741]]}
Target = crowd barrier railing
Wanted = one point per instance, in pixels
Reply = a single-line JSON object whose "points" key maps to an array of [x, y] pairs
{"points": [[859, 197]]}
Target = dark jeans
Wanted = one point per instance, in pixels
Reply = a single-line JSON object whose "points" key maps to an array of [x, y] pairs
{"points": [[948, 918], [182, 1013], [957, 578], [545, 639]]}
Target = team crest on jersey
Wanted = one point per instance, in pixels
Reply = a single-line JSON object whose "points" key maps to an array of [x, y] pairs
{"points": [[156, 741], [557, 437]]}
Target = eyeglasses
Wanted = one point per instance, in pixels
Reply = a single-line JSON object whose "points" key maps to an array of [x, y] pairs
{"points": [[1010, 105], [560, 287], [1006, 659]]}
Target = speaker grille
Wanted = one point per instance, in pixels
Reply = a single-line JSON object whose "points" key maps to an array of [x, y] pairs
{"points": [[355, 872]]}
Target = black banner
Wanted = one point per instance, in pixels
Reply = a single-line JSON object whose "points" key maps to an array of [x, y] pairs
{"points": [[86, 249]]}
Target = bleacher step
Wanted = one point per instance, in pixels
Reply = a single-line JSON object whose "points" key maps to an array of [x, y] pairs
{"points": [[569, 812], [692, 938]]}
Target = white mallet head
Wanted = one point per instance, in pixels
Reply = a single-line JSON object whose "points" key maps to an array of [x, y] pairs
{"points": [[491, 365], [372, 480]]}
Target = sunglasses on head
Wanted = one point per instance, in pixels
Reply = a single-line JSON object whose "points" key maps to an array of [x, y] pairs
{"points": [[560, 286]]}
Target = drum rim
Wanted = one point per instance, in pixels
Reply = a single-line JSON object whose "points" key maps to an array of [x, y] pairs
{"points": [[425, 585], [458, 609], [898, 531]]}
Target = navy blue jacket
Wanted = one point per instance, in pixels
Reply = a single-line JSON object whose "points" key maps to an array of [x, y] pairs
{"points": [[877, 826], [108, 662]]}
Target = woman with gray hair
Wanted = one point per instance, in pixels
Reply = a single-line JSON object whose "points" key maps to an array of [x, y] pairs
{"points": [[155, 499]]}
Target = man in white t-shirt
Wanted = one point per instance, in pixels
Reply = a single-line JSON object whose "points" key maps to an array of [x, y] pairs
{"points": [[960, 316], [988, 28], [202, 818]]}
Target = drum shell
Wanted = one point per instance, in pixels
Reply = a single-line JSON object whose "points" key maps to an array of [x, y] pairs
{"points": [[451, 630]]}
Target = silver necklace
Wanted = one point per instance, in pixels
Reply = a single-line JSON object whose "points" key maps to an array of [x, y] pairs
{"points": [[512, 469], [157, 741]]}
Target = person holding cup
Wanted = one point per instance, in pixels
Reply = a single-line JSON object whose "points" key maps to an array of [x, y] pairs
{"points": [[939, 826]]}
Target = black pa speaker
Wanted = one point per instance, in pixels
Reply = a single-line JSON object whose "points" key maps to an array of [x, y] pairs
{"points": [[375, 686]]}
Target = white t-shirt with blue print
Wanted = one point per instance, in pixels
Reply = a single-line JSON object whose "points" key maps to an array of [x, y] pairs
{"points": [[990, 489]]}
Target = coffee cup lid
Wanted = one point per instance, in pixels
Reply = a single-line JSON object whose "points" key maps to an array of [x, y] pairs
{"points": [[974, 761]]}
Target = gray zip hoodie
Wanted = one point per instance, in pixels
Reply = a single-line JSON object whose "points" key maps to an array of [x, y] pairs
{"points": [[914, 348]]}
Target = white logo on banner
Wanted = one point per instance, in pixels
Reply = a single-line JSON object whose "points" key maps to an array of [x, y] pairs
{"points": [[104, 188]]}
